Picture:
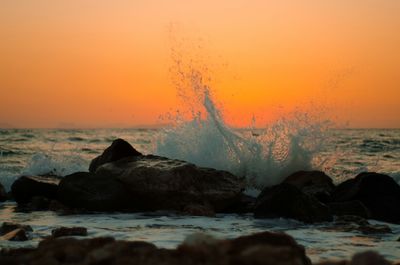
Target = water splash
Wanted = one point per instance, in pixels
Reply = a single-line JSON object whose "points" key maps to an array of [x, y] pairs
{"points": [[263, 156]]}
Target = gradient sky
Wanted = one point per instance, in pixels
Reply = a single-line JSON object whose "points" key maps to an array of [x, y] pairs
{"points": [[107, 63]]}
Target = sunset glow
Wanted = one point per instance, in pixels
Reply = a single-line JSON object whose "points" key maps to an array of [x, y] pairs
{"points": [[108, 63]]}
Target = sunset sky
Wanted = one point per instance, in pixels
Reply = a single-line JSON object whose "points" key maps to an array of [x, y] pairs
{"points": [[108, 63]]}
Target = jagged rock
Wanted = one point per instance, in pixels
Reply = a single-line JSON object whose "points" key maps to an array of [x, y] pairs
{"points": [[27, 187], [286, 200], [119, 149], [315, 183], [263, 248], [379, 193], [69, 231], [356, 208]]}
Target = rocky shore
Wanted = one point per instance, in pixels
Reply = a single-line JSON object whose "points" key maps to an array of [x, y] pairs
{"points": [[124, 180]]}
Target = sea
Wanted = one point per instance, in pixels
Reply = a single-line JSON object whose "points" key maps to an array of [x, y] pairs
{"points": [[263, 155]]}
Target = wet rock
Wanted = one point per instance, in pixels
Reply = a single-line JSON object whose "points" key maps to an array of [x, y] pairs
{"points": [[350, 223], [364, 258], [69, 231], [119, 149], [198, 210], [27, 187], [288, 201], [159, 183], [7, 227], [379, 193], [18, 234], [315, 183], [3, 193], [356, 208], [245, 204], [263, 248], [94, 192]]}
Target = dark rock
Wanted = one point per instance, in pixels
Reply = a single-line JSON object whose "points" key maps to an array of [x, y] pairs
{"points": [[18, 234], [3, 193], [368, 258], [245, 204], [263, 248], [349, 223], [7, 227], [288, 201], [94, 192], [198, 210], [27, 187], [356, 208], [379, 193], [158, 183], [315, 183], [119, 149], [69, 231]]}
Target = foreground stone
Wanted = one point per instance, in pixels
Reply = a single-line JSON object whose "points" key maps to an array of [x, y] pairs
{"points": [[379, 193], [315, 183], [27, 187], [151, 183], [119, 149], [18, 234], [7, 227], [69, 231], [288, 201], [263, 248]]}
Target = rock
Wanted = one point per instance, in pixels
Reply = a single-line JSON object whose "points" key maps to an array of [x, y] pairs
{"points": [[348, 223], [18, 234], [245, 204], [7, 227], [27, 187], [315, 183], [356, 208], [94, 192], [285, 200], [379, 193], [69, 231], [263, 248], [150, 183], [198, 210], [118, 149], [3, 193], [368, 258]]}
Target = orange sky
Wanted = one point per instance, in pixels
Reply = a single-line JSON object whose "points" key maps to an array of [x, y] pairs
{"points": [[106, 63]]}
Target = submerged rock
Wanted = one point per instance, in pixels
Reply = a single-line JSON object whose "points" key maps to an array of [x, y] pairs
{"points": [[288, 201], [349, 223], [3, 193], [263, 248], [315, 183], [7, 227], [27, 187], [356, 208], [364, 258], [379, 193], [69, 231], [119, 149]]}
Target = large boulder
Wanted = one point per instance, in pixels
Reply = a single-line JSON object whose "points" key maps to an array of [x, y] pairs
{"points": [[355, 208], [27, 187], [315, 183], [150, 183], [379, 193], [94, 192], [118, 149], [3, 193], [285, 200], [159, 183]]}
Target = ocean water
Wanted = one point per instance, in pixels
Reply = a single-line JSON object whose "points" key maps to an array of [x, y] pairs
{"points": [[341, 153]]}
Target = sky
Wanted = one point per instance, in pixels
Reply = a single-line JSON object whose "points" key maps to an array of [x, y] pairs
{"points": [[71, 63]]}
